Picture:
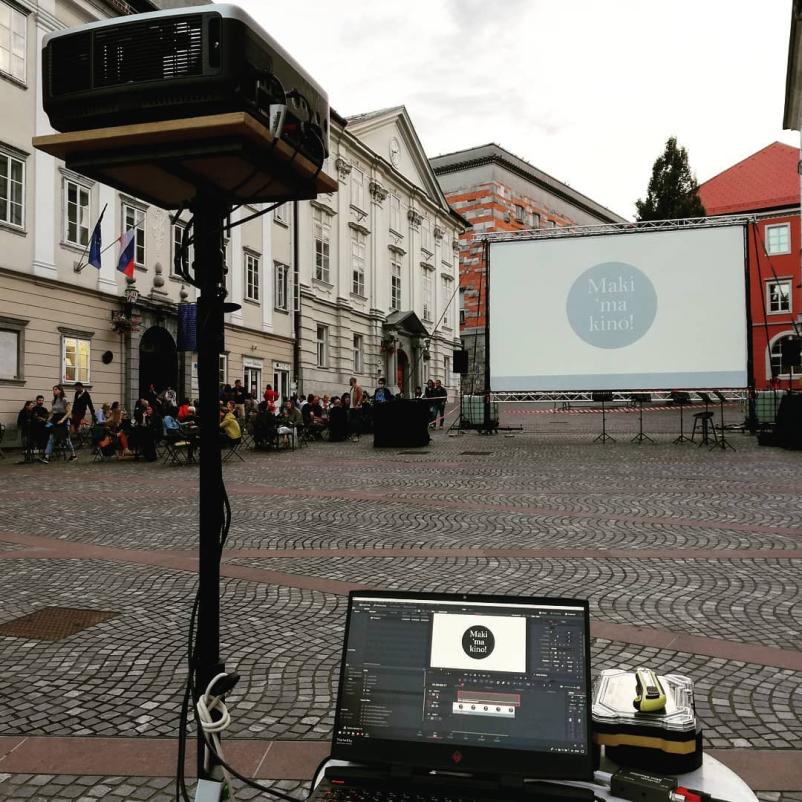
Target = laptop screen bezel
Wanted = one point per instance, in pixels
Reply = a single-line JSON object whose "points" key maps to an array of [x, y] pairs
{"points": [[472, 759]]}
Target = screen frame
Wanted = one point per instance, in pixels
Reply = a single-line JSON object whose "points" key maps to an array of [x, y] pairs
{"points": [[472, 759], [601, 381]]}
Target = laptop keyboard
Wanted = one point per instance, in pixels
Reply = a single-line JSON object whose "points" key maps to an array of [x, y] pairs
{"points": [[339, 794]]}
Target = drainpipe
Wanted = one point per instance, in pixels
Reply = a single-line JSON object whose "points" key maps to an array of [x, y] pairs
{"points": [[296, 291]]}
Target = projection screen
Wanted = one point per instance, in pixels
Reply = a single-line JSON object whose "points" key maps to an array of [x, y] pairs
{"points": [[657, 310]]}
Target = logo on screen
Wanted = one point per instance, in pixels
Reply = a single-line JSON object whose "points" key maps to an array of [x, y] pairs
{"points": [[611, 305], [478, 642]]}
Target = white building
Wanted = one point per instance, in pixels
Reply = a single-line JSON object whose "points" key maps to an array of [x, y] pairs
{"points": [[378, 265]]}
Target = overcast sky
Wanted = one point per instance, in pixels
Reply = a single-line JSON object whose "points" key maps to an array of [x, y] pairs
{"points": [[585, 90]]}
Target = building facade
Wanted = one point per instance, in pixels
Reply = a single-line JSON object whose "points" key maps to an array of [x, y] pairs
{"points": [[766, 185], [62, 321], [497, 191], [378, 264]]}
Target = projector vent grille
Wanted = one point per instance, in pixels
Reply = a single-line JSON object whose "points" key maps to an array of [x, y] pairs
{"points": [[148, 51], [71, 54]]}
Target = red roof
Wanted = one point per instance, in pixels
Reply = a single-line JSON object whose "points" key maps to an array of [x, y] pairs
{"points": [[765, 180]]}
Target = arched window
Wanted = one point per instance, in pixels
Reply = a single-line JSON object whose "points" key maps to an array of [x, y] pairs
{"points": [[785, 355]]}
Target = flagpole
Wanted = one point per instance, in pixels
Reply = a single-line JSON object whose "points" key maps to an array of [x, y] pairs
{"points": [[80, 266]]}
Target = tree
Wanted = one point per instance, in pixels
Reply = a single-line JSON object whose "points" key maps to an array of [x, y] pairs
{"points": [[673, 191]]}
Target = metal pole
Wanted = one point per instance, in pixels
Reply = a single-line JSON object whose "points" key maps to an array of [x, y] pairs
{"points": [[487, 426], [209, 214]]}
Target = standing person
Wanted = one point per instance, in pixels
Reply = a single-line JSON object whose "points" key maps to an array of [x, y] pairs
{"points": [[382, 394], [240, 396], [58, 423], [271, 396], [432, 398], [169, 399], [356, 392], [24, 419], [39, 431], [80, 404], [441, 396]]}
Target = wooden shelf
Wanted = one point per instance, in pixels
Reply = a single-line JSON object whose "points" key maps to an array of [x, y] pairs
{"points": [[232, 156]]}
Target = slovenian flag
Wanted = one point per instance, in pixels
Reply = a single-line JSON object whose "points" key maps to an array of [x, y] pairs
{"points": [[95, 244], [126, 263]]}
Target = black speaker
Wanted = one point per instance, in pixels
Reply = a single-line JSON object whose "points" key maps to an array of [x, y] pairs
{"points": [[601, 395], [460, 362]]}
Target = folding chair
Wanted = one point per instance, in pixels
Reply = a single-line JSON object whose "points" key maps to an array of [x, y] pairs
{"points": [[231, 449], [176, 450]]}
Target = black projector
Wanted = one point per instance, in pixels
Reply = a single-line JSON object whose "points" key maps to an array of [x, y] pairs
{"points": [[181, 63]]}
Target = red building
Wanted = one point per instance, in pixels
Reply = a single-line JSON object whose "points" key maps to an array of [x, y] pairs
{"points": [[766, 184]]}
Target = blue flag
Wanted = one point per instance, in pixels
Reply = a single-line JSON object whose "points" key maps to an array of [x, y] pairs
{"points": [[95, 243]]}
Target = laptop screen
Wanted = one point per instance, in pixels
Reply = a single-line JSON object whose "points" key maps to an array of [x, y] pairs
{"points": [[479, 682]]}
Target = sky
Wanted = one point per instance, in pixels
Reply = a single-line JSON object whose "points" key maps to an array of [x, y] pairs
{"points": [[585, 90]]}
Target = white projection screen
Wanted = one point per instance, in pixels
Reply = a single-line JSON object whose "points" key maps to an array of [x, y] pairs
{"points": [[652, 310]]}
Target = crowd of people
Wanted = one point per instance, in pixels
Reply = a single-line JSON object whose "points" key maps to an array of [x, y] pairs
{"points": [[161, 415]]}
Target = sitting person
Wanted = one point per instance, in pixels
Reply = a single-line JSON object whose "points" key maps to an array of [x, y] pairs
{"points": [[313, 415], [102, 415], [39, 432], [115, 425], [184, 410], [289, 420], [24, 419], [230, 431]]}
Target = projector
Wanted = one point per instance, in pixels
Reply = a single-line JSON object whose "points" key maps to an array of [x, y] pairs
{"points": [[181, 63]]}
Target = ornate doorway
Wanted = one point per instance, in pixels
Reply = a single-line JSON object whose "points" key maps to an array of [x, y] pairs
{"points": [[402, 372], [158, 360]]}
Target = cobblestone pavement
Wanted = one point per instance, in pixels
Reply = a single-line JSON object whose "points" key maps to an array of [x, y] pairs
{"points": [[670, 540]]}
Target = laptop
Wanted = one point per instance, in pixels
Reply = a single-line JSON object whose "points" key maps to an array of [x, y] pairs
{"points": [[461, 696]]}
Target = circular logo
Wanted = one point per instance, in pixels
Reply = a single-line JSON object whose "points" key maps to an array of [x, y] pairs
{"points": [[611, 305], [478, 642]]}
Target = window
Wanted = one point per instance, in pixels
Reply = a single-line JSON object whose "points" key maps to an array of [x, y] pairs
{"points": [[296, 288], [534, 220], [76, 214], [778, 239], [395, 213], [282, 273], [322, 244], [784, 360], [462, 306], [551, 224], [75, 355], [252, 282], [357, 353], [446, 300], [426, 237], [252, 380], [358, 250], [13, 28], [178, 237], [279, 214], [222, 369], [135, 218], [779, 296], [10, 354], [322, 346], [428, 295], [520, 213], [357, 189], [12, 188], [395, 284], [446, 370]]}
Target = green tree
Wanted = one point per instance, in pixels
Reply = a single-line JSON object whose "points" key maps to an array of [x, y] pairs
{"points": [[673, 191]]}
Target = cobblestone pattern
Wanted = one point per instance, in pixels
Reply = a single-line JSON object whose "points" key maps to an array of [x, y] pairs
{"points": [[73, 788], [124, 676], [702, 597]]}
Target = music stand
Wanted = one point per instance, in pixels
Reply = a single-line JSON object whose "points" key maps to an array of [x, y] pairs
{"points": [[682, 399], [721, 440], [640, 399], [603, 396], [705, 422]]}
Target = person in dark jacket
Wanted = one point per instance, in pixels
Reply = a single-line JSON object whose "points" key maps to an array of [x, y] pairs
{"points": [[24, 417], [80, 404], [39, 431]]}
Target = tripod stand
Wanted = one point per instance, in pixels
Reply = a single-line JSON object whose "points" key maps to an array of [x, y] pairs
{"points": [[681, 399], [722, 441], [603, 397], [640, 399]]}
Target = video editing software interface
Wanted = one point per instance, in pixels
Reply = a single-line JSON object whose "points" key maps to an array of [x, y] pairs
{"points": [[484, 674]]}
